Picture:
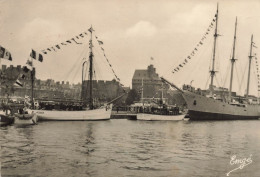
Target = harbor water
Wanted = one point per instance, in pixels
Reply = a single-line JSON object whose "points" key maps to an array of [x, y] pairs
{"points": [[130, 148]]}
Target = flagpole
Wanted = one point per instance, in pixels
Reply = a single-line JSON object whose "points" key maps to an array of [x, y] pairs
{"points": [[90, 70], [32, 80]]}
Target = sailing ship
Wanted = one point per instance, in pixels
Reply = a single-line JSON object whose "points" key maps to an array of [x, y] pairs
{"points": [[160, 112], [91, 113], [203, 107]]}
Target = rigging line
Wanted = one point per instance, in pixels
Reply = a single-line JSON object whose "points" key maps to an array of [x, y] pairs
{"points": [[77, 61], [108, 62], [97, 69], [97, 44], [76, 73], [181, 59], [255, 75], [242, 80], [237, 73], [200, 60], [101, 56], [198, 64], [86, 73], [207, 82], [227, 74], [217, 81], [71, 70], [85, 69]]}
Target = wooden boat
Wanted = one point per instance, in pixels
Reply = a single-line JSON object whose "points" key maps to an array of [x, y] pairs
{"points": [[95, 114], [28, 119], [5, 119], [156, 117], [162, 113]]}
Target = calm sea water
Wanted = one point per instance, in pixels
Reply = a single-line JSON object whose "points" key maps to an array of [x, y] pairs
{"points": [[130, 148]]}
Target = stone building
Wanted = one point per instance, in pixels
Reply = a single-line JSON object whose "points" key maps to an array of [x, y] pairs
{"points": [[43, 89], [152, 84], [103, 91]]}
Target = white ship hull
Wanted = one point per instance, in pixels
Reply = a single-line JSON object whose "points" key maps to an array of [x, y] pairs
{"points": [[31, 120], [203, 108], [156, 117], [88, 115]]}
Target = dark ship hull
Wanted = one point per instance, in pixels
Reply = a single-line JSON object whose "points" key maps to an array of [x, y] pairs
{"points": [[204, 108]]}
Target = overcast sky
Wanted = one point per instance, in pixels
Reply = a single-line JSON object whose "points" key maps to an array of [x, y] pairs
{"points": [[133, 32]]}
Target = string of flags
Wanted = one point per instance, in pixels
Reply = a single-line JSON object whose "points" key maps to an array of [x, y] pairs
{"points": [[4, 53], [100, 43], [67, 42], [195, 50], [34, 55], [257, 73]]}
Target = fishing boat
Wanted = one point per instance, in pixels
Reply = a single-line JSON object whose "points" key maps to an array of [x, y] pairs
{"points": [[210, 107], [91, 112], [159, 111]]}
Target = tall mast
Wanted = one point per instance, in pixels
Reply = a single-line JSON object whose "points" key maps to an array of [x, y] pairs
{"points": [[82, 81], [142, 94], [213, 72], [90, 69], [232, 61], [32, 80], [249, 69], [162, 91]]}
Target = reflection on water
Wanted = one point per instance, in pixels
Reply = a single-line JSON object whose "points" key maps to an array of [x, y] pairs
{"points": [[129, 148]]}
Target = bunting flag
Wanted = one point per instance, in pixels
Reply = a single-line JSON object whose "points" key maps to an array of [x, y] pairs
{"points": [[100, 44], [193, 53], [75, 41], [5, 54], [36, 56], [81, 35], [25, 69], [18, 82], [257, 73], [23, 76], [29, 62], [44, 52], [91, 29], [67, 42]]}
